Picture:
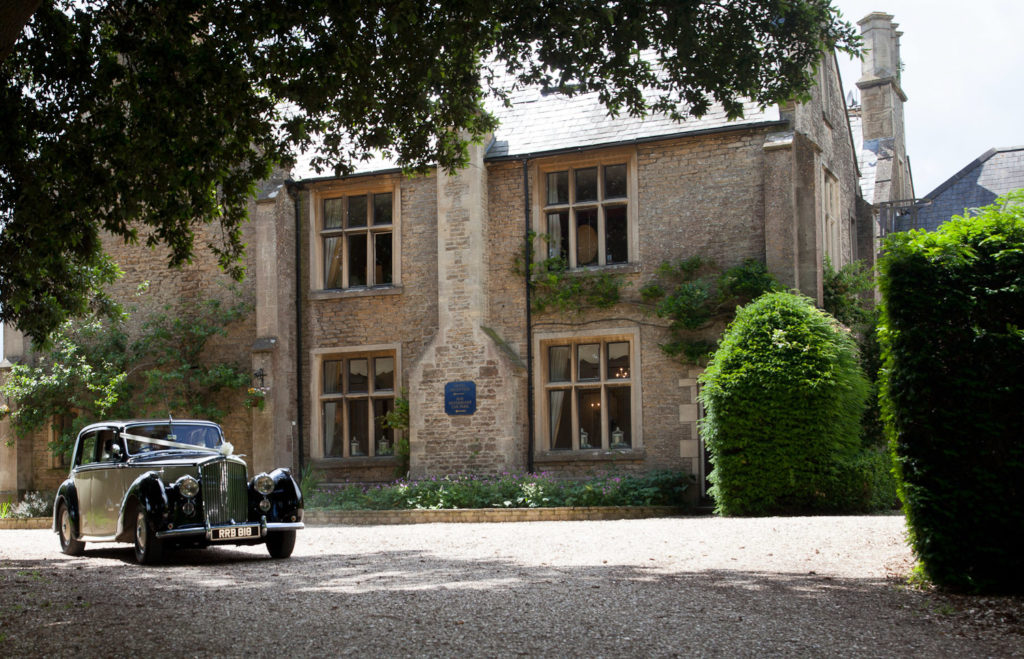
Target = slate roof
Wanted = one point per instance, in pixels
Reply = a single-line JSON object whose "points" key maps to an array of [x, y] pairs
{"points": [[543, 123], [990, 175]]}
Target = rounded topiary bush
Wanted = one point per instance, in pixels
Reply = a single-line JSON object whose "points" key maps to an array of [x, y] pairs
{"points": [[783, 398]]}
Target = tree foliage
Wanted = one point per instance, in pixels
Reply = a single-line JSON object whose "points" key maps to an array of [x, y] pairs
{"points": [[952, 335], [150, 119], [783, 397], [94, 370]]}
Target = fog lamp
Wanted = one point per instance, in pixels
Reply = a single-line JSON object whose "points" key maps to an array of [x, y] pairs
{"points": [[188, 486], [264, 484], [265, 505], [188, 508]]}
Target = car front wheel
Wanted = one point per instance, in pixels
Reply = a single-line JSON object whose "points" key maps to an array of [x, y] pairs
{"points": [[281, 543], [65, 530], [148, 548]]}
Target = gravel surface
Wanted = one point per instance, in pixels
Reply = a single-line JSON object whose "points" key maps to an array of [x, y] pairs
{"points": [[698, 586]]}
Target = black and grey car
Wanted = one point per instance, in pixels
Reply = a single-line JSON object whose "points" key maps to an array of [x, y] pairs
{"points": [[171, 483]]}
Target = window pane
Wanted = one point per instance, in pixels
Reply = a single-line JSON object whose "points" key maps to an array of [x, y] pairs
{"points": [[358, 427], [558, 188], [586, 237], [383, 373], [357, 260], [333, 430], [382, 259], [614, 181], [558, 235], [561, 420], [618, 360], [616, 240], [589, 359], [384, 438], [334, 210], [620, 419], [358, 382], [332, 262], [357, 211], [382, 208], [586, 184], [558, 364], [590, 418], [332, 376]]}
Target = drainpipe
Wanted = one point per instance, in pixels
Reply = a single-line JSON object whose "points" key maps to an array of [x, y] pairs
{"points": [[530, 439], [293, 192]]}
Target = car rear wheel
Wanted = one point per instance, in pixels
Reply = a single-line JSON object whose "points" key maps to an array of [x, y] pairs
{"points": [[148, 548], [281, 543], [65, 529]]}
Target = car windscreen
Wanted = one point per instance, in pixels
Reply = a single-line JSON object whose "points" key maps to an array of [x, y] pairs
{"points": [[171, 436]]}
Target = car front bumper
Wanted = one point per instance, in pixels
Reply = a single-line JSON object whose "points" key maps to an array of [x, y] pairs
{"points": [[208, 531]]}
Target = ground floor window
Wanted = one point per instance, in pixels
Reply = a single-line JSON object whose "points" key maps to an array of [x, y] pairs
{"points": [[356, 391], [589, 393]]}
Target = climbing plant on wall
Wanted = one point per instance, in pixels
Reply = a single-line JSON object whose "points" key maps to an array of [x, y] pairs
{"points": [[693, 294], [94, 370]]}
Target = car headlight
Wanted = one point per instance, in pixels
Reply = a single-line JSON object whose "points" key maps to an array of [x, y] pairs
{"points": [[264, 484], [188, 486]]}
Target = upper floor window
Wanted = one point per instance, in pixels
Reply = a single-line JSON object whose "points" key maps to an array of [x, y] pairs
{"points": [[355, 237], [832, 237], [587, 213]]}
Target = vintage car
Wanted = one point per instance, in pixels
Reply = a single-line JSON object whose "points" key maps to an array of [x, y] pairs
{"points": [[171, 483]]}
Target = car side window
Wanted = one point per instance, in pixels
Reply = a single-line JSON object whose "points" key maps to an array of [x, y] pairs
{"points": [[107, 440], [87, 449]]}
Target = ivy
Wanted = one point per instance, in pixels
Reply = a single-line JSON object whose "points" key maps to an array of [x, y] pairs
{"points": [[694, 294], [554, 287]]}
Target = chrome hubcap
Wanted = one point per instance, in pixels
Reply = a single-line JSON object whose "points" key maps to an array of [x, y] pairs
{"points": [[65, 525]]}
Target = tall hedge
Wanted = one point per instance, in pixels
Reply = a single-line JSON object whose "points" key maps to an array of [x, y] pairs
{"points": [[783, 398], [952, 335]]}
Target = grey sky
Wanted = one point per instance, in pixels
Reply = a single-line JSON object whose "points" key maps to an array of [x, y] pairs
{"points": [[962, 77]]}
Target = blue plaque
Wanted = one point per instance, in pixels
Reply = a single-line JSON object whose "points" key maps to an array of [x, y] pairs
{"points": [[459, 398]]}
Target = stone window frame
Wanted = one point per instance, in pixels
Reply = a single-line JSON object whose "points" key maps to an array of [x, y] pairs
{"points": [[542, 431], [354, 188], [832, 244], [317, 358], [601, 158]]}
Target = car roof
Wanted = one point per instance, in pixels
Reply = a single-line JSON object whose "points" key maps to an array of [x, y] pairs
{"points": [[137, 422]]}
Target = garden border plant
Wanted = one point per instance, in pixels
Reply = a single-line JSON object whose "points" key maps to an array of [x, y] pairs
{"points": [[463, 491]]}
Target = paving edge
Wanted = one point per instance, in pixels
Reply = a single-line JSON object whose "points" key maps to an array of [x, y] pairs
{"points": [[26, 523], [322, 517]]}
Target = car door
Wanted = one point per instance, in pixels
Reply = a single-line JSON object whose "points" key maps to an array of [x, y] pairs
{"points": [[110, 483], [84, 474]]}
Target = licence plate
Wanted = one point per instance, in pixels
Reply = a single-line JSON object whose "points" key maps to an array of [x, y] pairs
{"points": [[236, 532]]}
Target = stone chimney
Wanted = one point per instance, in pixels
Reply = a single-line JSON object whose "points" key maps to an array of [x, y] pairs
{"points": [[882, 100]]}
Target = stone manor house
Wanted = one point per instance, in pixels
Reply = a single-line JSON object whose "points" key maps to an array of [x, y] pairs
{"points": [[375, 284]]}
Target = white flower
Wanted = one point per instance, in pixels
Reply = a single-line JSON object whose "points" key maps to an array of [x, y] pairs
{"points": [[226, 448]]}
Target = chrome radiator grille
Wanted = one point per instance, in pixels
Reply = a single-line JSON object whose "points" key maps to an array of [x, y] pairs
{"points": [[225, 492]]}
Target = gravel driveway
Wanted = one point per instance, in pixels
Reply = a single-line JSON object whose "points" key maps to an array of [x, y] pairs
{"points": [[698, 586]]}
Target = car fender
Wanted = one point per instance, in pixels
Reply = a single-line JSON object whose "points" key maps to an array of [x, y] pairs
{"points": [[68, 494], [151, 493]]}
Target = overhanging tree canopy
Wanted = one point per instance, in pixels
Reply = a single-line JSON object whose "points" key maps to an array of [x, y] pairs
{"points": [[149, 119]]}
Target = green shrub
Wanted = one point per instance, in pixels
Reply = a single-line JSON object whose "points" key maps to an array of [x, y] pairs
{"points": [[952, 335], [783, 397], [658, 488]]}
